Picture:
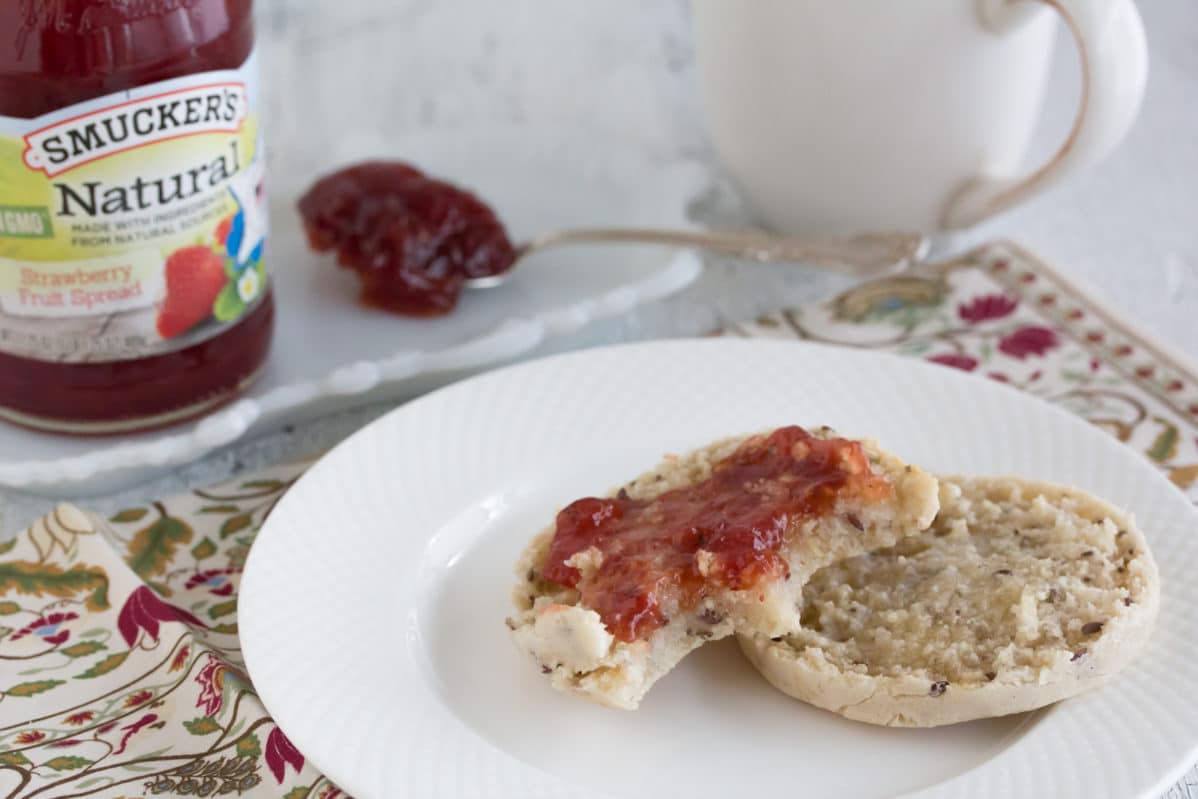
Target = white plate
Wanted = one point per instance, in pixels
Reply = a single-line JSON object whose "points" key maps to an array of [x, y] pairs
{"points": [[330, 353], [373, 603]]}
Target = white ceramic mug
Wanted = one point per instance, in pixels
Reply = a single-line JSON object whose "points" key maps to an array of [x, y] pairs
{"points": [[846, 116]]}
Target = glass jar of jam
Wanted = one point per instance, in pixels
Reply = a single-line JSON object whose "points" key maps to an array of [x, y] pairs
{"points": [[133, 287]]}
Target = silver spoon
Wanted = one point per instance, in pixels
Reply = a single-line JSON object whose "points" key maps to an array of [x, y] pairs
{"points": [[865, 255]]}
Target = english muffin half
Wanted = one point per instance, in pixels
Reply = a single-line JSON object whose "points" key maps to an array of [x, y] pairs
{"points": [[1020, 594]]}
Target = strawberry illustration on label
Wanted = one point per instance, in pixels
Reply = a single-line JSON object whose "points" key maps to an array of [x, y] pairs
{"points": [[194, 278]]}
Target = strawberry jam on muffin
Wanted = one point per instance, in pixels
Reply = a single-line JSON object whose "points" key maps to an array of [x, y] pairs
{"points": [[620, 588]]}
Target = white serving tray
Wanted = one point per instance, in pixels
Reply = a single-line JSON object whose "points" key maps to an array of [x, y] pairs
{"points": [[330, 353]]}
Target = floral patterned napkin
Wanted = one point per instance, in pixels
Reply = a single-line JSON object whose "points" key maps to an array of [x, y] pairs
{"points": [[119, 659]]}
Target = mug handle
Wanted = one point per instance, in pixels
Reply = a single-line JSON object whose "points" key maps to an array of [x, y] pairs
{"points": [[1114, 57]]}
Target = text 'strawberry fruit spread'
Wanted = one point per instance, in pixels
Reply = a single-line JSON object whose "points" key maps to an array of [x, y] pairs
{"points": [[412, 239], [742, 515], [133, 286]]}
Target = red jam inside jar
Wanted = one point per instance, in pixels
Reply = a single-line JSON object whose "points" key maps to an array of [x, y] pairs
{"points": [[742, 516], [57, 54]]}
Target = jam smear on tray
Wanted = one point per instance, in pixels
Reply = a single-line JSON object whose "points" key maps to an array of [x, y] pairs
{"points": [[741, 515], [412, 239]]}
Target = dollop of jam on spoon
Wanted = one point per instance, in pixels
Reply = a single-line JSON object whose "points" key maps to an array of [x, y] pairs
{"points": [[413, 240]]}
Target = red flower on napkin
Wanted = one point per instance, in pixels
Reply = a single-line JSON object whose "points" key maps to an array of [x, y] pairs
{"points": [[143, 610], [216, 580], [962, 362], [180, 658], [133, 729], [138, 698], [279, 753], [211, 679], [1030, 340], [986, 307], [46, 628]]}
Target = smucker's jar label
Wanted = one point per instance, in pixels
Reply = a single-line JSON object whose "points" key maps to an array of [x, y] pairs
{"points": [[133, 224]]}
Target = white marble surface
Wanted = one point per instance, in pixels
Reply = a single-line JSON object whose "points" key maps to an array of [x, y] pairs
{"points": [[1129, 228]]}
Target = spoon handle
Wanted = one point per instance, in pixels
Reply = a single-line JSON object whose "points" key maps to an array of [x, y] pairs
{"points": [[867, 254]]}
